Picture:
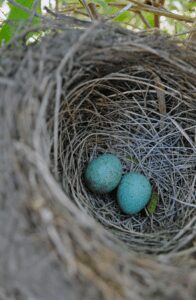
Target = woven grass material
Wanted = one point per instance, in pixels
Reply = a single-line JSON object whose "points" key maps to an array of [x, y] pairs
{"points": [[80, 93]]}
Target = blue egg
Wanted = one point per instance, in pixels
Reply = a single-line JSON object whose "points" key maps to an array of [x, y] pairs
{"points": [[134, 192], [104, 173]]}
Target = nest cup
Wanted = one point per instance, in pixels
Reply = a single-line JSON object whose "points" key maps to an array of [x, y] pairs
{"points": [[71, 96], [128, 95]]}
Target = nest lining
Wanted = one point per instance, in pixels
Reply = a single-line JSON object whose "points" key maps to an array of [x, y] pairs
{"points": [[119, 113]]}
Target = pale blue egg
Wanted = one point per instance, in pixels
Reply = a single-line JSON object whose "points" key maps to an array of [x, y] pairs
{"points": [[134, 192], [103, 173]]}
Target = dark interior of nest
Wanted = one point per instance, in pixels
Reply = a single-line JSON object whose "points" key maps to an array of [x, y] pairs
{"points": [[142, 111]]}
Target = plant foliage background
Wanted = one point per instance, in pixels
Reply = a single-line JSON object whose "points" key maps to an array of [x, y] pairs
{"points": [[175, 17]]}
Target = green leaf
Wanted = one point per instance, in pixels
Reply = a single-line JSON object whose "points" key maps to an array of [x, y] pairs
{"points": [[191, 6], [152, 205], [1, 2], [18, 19], [124, 17], [150, 18], [132, 159]]}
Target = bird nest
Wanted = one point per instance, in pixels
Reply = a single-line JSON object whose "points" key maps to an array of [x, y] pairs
{"points": [[81, 93], [133, 102]]}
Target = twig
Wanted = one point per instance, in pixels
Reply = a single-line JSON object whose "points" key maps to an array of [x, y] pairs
{"points": [[160, 95], [88, 9], [93, 10], [144, 19], [68, 19], [124, 9], [35, 5], [183, 133], [160, 12], [57, 6]]}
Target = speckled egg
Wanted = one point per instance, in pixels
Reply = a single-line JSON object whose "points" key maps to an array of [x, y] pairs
{"points": [[134, 192], [104, 173]]}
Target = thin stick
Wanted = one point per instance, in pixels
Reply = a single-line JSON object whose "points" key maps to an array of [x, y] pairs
{"points": [[161, 12], [144, 20]]}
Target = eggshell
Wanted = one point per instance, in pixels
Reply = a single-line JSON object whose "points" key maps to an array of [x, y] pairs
{"points": [[104, 173], [134, 192]]}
